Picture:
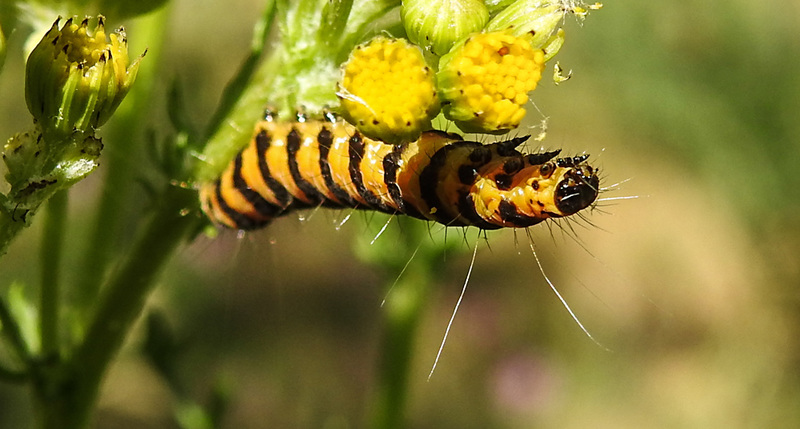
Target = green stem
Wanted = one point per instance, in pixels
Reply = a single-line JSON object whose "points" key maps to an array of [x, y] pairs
{"points": [[50, 294], [68, 404]]}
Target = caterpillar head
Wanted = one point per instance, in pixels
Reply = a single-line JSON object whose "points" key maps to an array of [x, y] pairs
{"points": [[520, 190], [578, 186]]}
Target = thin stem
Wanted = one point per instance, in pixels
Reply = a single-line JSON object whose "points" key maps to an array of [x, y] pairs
{"points": [[50, 294]]}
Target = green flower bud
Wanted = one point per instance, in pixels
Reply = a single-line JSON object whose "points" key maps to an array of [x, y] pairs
{"points": [[438, 24], [75, 80]]}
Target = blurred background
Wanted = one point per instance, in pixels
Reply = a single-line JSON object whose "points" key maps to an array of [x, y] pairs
{"points": [[692, 107]]}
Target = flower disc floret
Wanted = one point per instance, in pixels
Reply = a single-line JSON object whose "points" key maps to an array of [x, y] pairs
{"points": [[387, 90], [485, 81]]}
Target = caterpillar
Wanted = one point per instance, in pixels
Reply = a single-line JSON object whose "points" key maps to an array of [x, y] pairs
{"points": [[439, 177]]}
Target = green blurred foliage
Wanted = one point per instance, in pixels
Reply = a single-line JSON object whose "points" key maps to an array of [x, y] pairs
{"points": [[693, 286]]}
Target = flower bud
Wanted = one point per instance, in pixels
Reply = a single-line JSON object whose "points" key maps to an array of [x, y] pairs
{"points": [[75, 80], [438, 24], [387, 90], [485, 81]]}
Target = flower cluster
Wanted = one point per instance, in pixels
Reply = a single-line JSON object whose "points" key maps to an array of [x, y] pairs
{"points": [[488, 57]]}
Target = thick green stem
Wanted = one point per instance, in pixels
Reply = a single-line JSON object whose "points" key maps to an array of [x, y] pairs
{"points": [[50, 294], [65, 399]]}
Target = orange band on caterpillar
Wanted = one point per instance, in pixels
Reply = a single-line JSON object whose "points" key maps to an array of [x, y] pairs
{"points": [[439, 177]]}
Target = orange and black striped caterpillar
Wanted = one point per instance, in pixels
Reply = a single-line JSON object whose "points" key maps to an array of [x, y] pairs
{"points": [[439, 177]]}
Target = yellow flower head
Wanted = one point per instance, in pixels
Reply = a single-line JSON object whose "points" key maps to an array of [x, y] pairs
{"points": [[484, 82], [387, 90], [75, 79]]}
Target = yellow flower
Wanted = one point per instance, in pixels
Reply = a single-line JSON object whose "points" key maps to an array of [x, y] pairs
{"points": [[387, 90], [75, 79], [484, 82]]}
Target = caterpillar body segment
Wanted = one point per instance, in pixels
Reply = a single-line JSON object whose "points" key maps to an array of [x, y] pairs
{"points": [[438, 177]]}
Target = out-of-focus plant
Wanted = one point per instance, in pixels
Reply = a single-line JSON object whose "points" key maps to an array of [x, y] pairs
{"points": [[76, 79]]}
